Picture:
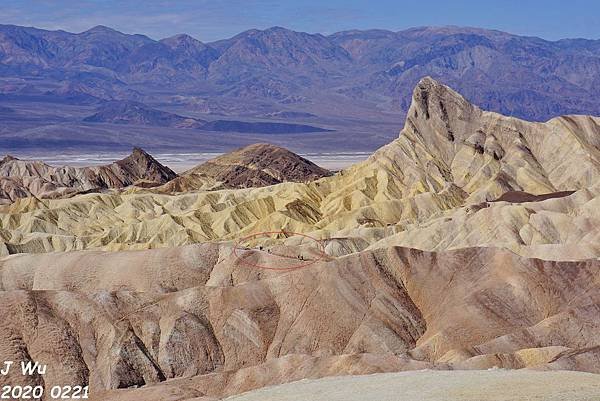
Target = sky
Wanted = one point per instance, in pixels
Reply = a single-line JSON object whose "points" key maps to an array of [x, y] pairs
{"points": [[210, 20]]}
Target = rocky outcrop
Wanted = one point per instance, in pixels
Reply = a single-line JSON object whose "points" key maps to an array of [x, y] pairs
{"points": [[23, 178]]}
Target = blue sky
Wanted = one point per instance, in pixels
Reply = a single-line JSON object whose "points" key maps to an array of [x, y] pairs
{"points": [[209, 20]]}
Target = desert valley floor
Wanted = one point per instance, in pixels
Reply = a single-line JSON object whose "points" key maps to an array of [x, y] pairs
{"points": [[471, 242]]}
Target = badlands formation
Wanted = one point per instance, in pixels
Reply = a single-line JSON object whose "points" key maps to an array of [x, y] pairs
{"points": [[430, 189], [22, 179], [470, 242]]}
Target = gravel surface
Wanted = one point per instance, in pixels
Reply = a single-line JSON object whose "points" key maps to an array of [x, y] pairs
{"points": [[439, 386]]}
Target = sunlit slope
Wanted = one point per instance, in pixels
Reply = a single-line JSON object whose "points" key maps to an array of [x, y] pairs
{"points": [[450, 155]]}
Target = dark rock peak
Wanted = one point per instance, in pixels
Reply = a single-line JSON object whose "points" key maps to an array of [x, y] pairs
{"points": [[258, 165], [266, 155], [139, 152], [141, 163]]}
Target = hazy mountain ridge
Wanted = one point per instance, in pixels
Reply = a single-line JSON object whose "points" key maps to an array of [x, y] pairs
{"points": [[523, 76]]}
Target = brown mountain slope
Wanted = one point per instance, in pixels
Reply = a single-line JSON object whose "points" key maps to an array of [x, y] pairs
{"points": [[256, 165], [448, 160], [22, 178], [200, 315]]}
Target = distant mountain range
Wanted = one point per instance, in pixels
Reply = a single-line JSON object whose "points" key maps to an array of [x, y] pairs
{"points": [[346, 80]]}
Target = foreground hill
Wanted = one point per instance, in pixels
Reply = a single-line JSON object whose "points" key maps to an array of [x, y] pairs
{"points": [[23, 178], [255, 165], [210, 324]]}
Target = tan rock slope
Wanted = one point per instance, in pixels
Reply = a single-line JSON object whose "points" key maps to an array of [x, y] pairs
{"points": [[256, 165], [199, 321], [433, 181], [20, 178]]}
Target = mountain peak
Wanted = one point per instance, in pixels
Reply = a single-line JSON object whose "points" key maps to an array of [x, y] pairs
{"points": [[139, 152], [429, 84], [441, 119], [432, 98], [101, 29], [278, 29], [256, 165], [180, 38]]}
